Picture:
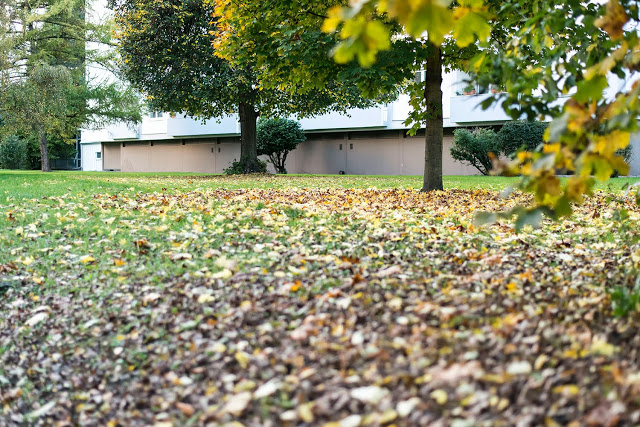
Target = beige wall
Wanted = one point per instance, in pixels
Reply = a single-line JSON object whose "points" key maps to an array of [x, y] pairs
{"points": [[369, 153], [111, 156], [358, 153]]}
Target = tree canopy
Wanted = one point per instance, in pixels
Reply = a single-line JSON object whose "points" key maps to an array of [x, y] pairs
{"points": [[554, 48], [275, 30], [171, 50]]}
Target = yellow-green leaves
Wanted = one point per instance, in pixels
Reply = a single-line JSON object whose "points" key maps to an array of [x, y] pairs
{"points": [[591, 89], [364, 34], [471, 22], [367, 38], [431, 16], [614, 20]]}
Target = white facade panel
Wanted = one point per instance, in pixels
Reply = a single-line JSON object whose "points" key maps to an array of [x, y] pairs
{"points": [[467, 109], [124, 131], [154, 126], [181, 126], [91, 157], [356, 118]]}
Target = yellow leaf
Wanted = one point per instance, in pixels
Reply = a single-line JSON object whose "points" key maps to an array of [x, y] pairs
{"points": [[567, 390], [87, 259], [602, 347], [203, 299], [224, 274], [305, 412], [439, 396], [118, 262], [242, 358], [614, 20]]}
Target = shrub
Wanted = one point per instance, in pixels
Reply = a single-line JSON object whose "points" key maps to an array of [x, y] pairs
{"points": [[13, 153], [520, 135], [237, 168], [474, 147], [276, 138]]}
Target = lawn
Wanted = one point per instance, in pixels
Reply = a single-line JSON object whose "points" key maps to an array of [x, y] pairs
{"points": [[140, 299]]}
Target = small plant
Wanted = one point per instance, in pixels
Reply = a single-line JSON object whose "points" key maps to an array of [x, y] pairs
{"points": [[469, 89], [276, 138], [237, 168], [476, 147], [13, 153]]}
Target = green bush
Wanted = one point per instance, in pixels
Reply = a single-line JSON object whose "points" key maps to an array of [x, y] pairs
{"points": [[520, 135], [13, 153], [276, 138], [237, 168], [475, 147]]}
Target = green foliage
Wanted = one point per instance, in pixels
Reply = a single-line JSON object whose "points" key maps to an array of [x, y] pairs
{"points": [[625, 301], [583, 42], [476, 147], [521, 134], [13, 153], [238, 168], [363, 37], [587, 131], [276, 138], [174, 52]]}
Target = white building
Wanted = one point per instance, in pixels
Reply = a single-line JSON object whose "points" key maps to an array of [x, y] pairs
{"points": [[367, 141], [370, 141]]}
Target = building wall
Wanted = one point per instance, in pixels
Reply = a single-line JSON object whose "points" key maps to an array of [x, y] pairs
{"points": [[111, 156], [90, 159], [356, 153]]}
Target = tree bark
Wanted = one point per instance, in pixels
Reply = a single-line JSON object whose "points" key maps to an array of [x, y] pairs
{"points": [[44, 153], [248, 139], [433, 132]]}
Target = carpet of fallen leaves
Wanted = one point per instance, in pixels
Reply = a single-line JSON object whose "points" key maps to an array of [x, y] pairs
{"points": [[316, 306]]}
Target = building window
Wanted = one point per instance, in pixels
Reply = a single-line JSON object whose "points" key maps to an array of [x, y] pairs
{"points": [[98, 155], [156, 114]]}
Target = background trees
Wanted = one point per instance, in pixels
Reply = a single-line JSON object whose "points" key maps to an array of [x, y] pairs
{"points": [[172, 51], [45, 91]]}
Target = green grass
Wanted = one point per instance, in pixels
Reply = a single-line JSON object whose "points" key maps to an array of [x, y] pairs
{"points": [[34, 184]]}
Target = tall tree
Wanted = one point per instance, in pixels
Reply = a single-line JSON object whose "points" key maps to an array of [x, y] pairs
{"points": [[555, 48], [286, 39], [44, 87], [173, 51]]}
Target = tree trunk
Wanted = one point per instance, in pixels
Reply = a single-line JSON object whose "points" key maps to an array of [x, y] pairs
{"points": [[248, 146], [433, 133], [44, 153]]}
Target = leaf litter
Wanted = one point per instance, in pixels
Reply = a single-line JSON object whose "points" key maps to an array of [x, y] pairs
{"points": [[337, 307]]}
